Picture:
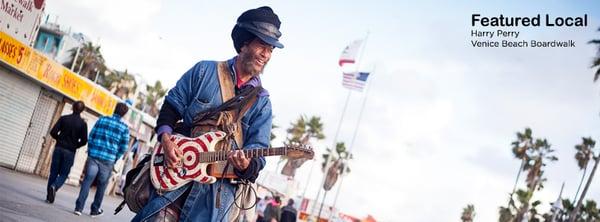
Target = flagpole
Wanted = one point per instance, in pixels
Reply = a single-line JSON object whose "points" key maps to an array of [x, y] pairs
{"points": [[558, 201], [329, 156], [312, 166], [358, 60], [362, 108]]}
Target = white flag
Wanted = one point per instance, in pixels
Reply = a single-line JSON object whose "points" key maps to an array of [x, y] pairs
{"points": [[349, 53]]}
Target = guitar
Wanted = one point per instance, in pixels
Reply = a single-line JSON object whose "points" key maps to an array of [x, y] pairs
{"points": [[199, 156]]}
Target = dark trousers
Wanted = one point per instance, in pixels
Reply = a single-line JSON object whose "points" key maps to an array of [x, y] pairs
{"points": [[62, 161]]}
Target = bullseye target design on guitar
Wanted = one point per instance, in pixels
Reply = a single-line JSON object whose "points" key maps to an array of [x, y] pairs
{"points": [[194, 164]]}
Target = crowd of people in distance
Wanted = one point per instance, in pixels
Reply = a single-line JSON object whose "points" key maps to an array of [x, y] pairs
{"points": [[270, 210]]}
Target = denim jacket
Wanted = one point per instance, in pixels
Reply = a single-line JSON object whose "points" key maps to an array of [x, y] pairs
{"points": [[198, 90]]}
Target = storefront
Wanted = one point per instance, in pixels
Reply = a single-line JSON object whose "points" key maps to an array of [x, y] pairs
{"points": [[26, 111], [34, 92]]}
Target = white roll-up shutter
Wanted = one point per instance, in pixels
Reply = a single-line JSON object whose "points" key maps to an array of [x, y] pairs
{"points": [[18, 97], [38, 129]]}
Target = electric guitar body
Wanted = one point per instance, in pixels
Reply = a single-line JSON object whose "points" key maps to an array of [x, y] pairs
{"points": [[199, 156]]}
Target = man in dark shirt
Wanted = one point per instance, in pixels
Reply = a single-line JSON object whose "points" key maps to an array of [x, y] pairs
{"points": [[70, 133], [289, 213]]}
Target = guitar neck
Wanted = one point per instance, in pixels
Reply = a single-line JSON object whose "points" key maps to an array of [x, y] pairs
{"points": [[249, 153]]}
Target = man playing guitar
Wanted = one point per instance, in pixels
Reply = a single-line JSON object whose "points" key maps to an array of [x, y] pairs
{"points": [[255, 35]]}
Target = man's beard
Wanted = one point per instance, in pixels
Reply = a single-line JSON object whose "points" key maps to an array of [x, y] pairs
{"points": [[248, 61]]}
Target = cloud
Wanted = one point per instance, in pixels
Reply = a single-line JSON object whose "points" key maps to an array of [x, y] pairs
{"points": [[105, 18], [125, 30]]}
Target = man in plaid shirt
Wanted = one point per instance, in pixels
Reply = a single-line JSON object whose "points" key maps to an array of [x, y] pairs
{"points": [[107, 142]]}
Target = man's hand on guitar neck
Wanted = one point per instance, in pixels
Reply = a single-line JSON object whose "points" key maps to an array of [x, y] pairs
{"points": [[174, 155], [238, 160]]}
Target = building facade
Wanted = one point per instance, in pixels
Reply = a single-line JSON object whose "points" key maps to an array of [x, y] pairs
{"points": [[35, 91]]}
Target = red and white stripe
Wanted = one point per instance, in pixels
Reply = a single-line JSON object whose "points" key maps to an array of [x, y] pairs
{"points": [[167, 179], [350, 52], [351, 82]]}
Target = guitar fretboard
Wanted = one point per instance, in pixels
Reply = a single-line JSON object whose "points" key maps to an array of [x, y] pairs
{"points": [[249, 153]]}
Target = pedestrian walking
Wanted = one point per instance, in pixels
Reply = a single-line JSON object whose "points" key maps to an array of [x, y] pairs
{"points": [[70, 133], [260, 208], [107, 143], [273, 210], [289, 212]]}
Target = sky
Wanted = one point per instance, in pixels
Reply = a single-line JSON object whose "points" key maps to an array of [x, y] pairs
{"points": [[440, 114]]}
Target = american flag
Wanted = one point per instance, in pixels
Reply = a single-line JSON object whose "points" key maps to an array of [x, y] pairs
{"points": [[355, 80]]}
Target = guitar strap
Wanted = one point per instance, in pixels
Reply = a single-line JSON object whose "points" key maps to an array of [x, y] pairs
{"points": [[243, 192], [231, 119], [227, 92]]}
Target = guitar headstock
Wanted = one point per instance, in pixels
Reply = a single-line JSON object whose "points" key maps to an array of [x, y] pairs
{"points": [[300, 151]]}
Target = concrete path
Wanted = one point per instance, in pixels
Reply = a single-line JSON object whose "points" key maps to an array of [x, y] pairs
{"points": [[22, 199]]}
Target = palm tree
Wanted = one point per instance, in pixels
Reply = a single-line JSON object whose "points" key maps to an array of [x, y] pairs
{"points": [[304, 129], [89, 60], [315, 130], [300, 133], [568, 207], [341, 154], [154, 94], [520, 146], [537, 156], [596, 62], [534, 216], [533, 155], [519, 149], [273, 136], [583, 156], [120, 83], [339, 164], [296, 131], [523, 198], [468, 213], [587, 144], [506, 214], [590, 212]]}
